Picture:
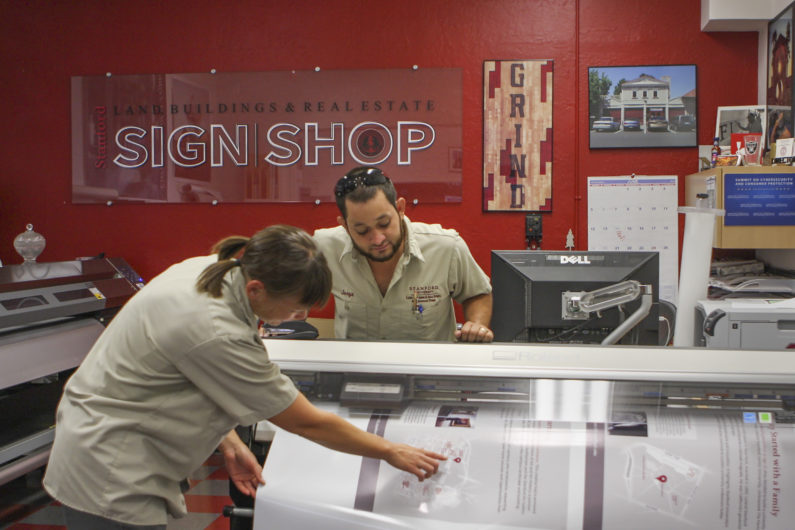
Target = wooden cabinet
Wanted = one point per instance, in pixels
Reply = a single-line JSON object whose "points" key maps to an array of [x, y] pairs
{"points": [[764, 211]]}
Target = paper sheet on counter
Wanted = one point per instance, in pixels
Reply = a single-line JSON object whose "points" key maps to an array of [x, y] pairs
{"points": [[648, 468]]}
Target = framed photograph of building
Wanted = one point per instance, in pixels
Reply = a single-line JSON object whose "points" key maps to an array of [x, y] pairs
{"points": [[642, 106]]}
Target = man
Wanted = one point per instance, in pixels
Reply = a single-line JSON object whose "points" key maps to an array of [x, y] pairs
{"points": [[396, 279]]}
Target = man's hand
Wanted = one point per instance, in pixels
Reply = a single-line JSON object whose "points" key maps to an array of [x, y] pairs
{"points": [[241, 464], [474, 332], [420, 462], [477, 312]]}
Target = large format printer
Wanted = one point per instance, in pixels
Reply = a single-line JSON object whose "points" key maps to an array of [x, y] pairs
{"points": [[50, 316], [539, 436]]}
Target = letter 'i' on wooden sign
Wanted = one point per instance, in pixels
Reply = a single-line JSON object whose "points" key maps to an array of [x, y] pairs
{"points": [[517, 135]]}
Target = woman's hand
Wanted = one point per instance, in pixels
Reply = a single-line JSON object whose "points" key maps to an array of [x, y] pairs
{"points": [[420, 462], [304, 419], [241, 464]]}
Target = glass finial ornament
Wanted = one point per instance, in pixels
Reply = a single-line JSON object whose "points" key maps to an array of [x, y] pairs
{"points": [[29, 244]]}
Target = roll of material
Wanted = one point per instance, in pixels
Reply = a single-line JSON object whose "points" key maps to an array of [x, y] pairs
{"points": [[694, 271]]}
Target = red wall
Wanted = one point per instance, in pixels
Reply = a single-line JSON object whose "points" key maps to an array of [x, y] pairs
{"points": [[44, 43]]}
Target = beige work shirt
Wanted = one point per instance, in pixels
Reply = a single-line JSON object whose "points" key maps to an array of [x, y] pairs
{"points": [[172, 374], [435, 269]]}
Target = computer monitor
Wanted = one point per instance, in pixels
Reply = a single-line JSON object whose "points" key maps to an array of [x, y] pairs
{"points": [[532, 288]]}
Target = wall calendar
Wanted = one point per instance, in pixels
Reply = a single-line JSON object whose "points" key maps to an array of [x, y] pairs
{"points": [[637, 212]]}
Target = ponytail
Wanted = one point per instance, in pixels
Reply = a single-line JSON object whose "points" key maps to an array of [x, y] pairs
{"points": [[211, 279], [284, 258]]}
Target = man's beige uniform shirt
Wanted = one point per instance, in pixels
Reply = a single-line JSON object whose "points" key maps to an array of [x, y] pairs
{"points": [[171, 375], [435, 269]]}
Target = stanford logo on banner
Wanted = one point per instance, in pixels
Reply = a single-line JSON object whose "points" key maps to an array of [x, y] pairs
{"points": [[263, 136], [517, 135]]}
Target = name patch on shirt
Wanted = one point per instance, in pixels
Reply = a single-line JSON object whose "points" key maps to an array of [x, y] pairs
{"points": [[424, 294]]}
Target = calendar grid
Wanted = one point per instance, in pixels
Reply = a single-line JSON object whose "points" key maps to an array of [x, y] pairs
{"points": [[637, 213]]}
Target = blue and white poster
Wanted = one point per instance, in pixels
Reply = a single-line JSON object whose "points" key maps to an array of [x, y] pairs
{"points": [[766, 199]]}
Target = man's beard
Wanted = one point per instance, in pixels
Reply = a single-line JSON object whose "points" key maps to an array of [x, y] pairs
{"points": [[386, 257]]}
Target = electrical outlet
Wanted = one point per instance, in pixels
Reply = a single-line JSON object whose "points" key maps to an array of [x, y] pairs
{"points": [[532, 227]]}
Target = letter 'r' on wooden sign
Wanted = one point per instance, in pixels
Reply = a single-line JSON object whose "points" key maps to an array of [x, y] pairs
{"points": [[517, 135]]}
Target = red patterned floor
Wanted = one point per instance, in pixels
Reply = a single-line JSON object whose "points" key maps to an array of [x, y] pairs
{"points": [[25, 506]]}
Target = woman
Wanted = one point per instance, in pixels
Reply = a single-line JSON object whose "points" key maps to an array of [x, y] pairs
{"points": [[178, 368]]}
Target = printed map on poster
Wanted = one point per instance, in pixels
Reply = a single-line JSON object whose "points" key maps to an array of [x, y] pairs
{"points": [[648, 468]]}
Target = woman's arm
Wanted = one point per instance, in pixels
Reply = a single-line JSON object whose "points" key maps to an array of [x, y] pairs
{"points": [[304, 419]]}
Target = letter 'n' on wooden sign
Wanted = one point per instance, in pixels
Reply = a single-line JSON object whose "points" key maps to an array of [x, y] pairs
{"points": [[517, 135]]}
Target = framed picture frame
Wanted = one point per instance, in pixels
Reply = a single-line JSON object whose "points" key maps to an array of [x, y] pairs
{"points": [[779, 59], [517, 135], [642, 106], [780, 84], [734, 122], [195, 97], [779, 124], [455, 156]]}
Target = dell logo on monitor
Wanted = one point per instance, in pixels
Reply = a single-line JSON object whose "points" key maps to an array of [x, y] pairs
{"points": [[579, 260]]}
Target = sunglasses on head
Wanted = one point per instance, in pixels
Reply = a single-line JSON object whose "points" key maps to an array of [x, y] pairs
{"points": [[370, 176]]}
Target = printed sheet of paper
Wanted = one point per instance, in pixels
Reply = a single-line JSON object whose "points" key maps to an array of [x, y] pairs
{"points": [[501, 470], [643, 468], [637, 213]]}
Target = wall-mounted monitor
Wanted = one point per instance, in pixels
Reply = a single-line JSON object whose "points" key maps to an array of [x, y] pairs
{"points": [[536, 293]]}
